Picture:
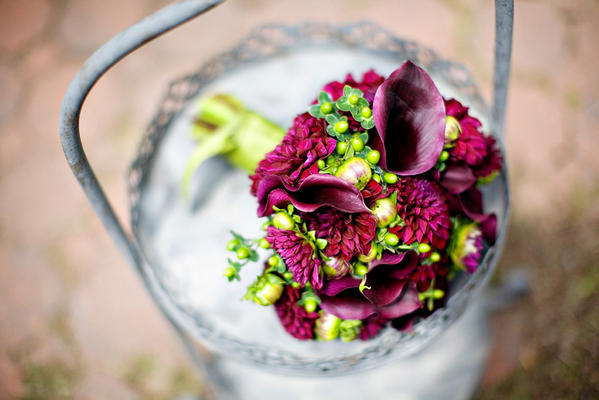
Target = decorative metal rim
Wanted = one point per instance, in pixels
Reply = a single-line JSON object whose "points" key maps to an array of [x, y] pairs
{"points": [[261, 44]]}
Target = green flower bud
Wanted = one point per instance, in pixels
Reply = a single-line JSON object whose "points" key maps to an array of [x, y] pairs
{"points": [[371, 254], [283, 221], [327, 326], [384, 212], [268, 289], [349, 329], [355, 171], [336, 267], [453, 129]]}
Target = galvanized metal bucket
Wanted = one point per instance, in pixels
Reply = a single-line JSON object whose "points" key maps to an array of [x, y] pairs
{"points": [[176, 249]]}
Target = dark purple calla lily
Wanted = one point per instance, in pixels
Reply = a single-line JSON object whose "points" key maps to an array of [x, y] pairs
{"points": [[409, 115], [391, 293], [457, 178], [313, 192]]}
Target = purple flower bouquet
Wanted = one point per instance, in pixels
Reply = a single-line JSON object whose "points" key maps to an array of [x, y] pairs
{"points": [[372, 206]]}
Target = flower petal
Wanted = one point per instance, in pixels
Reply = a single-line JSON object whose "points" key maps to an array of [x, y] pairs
{"points": [[313, 192], [409, 115], [348, 305], [386, 281], [406, 303], [457, 178], [336, 286]]}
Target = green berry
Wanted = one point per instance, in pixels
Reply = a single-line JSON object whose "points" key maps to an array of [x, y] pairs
{"points": [[264, 243], [273, 261], [424, 248], [295, 285], [357, 144], [438, 294], [321, 164], [391, 239], [435, 257], [326, 108], [229, 272], [288, 276], [243, 253], [310, 305], [373, 157], [421, 296], [444, 156], [341, 148], [377, 178], [233, 243], [341, 126], [390, 178], [361, 269], [353, 99], [366, 112]]}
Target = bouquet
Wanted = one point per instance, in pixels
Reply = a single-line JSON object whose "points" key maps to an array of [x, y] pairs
{"points": [[372, 207]]}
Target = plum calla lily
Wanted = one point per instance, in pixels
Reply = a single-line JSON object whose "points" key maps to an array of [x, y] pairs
{"points": [[389, 292], [409, 116], [315, 191]]}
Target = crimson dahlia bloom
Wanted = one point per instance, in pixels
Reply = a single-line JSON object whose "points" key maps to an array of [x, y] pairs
{"points": [[296, 156], [423, 207], [470, 145], [348, 235], [298, 254], [295, 319]]}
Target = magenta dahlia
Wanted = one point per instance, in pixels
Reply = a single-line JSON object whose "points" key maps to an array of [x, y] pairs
{"points": [[298, 254], [492, 162], [295, 319], [348, 235], [469, 146], [424, 210], [296, 156], [369, 84]]}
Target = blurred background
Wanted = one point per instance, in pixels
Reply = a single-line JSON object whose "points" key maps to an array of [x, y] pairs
{"points": [[76, 322]]}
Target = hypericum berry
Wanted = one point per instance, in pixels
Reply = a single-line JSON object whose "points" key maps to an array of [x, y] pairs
{"points": [[341, 126], [310, 305], [295, 285], [384, 212], [233, 243], [229, 272], [360, 269], [243, 253], [273, 261], [355, 171], [353, 99], [321, 164], [391, 239], [435, 257], [288, 276], [366, 112], [377, 178], [263, 243], [390, 178], [438, 294], [341, 148], [424, 248], [326, 108], [444, 156], [357, 144], [374, 157], [283, 221]]}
